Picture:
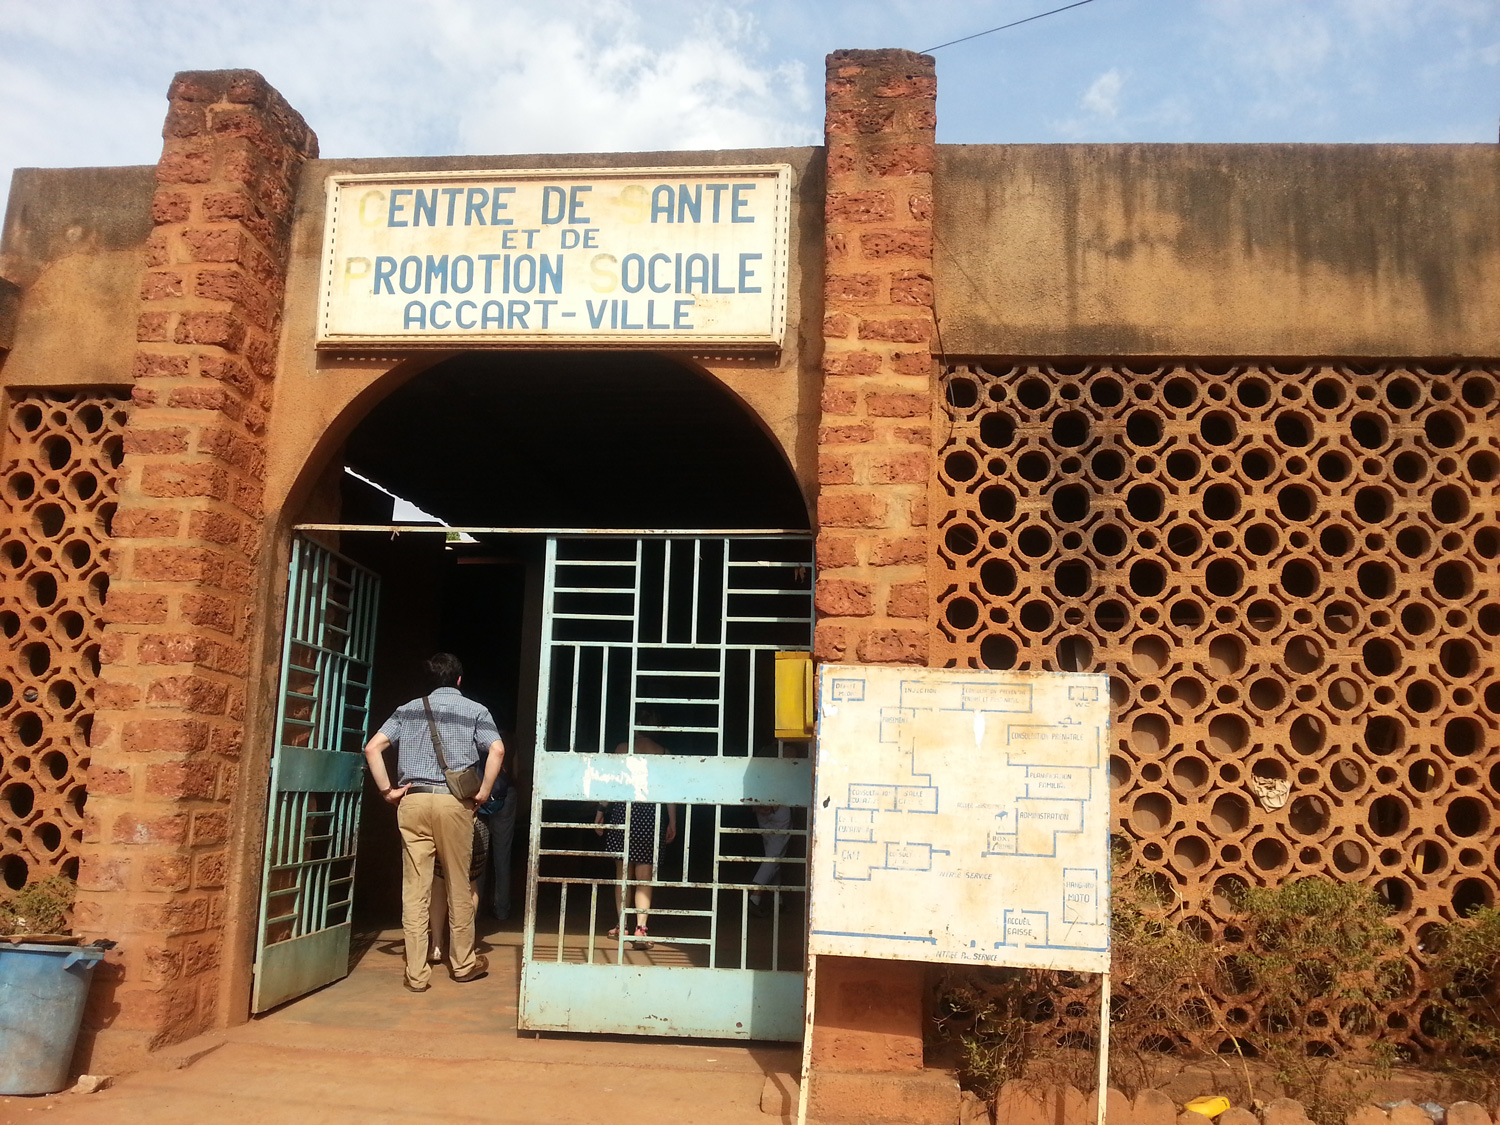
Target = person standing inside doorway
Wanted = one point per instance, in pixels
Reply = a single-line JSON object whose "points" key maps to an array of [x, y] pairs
{"points": [[433, 822], [636, 845], [501, 811], [773, 820]]}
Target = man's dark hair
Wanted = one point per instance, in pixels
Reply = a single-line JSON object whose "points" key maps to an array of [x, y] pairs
{"points": [[445, 669]]}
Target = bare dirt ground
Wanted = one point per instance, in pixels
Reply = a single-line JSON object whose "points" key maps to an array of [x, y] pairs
{"points": [[364, 1050]]}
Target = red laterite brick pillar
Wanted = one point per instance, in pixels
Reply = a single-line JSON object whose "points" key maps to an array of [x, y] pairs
{"points": [[875, 445], [175, 656], [875, 457]]}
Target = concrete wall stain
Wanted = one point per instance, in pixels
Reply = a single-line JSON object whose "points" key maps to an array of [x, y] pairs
{"points": [[1298, 244]]}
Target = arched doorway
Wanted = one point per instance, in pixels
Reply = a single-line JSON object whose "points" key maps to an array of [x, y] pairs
{"points": [[554, 464]]}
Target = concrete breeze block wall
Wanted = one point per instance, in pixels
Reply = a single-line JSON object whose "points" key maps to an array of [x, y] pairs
{"points": [[176, 643]]}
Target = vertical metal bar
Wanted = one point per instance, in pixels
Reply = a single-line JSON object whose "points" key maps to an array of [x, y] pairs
{"points": [[562, 918], [318, 739], [330, 698], [603, 701], [618, 888], [697, 579], [577, 652], [775, 893], [625, 867], [588, 954], [635, 640], [288, 829], [543, 711], [307, 872], [544, 665], [725, 571], [744, 929], [622, 875], [330, 868], [666, 591], [294, 861], [719, 680], [325, 869], [317, 913], [652, 877], [343, 705], [713, 916], [754, 656]]}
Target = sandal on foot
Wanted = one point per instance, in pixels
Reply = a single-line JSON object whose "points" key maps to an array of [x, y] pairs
{"points": [[641, 940], [613, 933]]}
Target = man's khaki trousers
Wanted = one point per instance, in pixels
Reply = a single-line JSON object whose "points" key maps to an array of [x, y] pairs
{"points": [[436, 824]]}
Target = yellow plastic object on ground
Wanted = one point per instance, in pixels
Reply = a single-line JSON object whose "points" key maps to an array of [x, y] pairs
{"points": [[1210, 1105]]}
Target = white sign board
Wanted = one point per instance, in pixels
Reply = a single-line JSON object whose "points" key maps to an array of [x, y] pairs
{"points": [[962, 816], [646, 257]]}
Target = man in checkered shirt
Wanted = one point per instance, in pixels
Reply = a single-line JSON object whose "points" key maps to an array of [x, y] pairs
{"points": [[433, 821]]}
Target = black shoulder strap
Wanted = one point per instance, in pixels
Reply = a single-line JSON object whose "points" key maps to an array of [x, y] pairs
{"points": [[437, 743]]}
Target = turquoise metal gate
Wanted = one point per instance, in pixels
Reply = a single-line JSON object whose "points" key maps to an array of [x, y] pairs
{"points": [[655, 711], [317, 774]]}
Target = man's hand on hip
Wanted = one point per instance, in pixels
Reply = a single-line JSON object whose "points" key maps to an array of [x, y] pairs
{"points": [[395, 794]]}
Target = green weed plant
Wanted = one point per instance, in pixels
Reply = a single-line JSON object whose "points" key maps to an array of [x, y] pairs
{"points": [[1161, 975], [991, 1016], [1319, 956], [1322, 958], [1465, 974]]}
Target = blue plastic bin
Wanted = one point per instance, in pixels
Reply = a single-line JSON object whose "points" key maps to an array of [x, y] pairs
{"points": [[43, 989]]}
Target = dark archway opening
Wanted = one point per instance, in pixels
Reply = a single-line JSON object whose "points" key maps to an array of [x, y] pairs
{"points": [[581, 440]]}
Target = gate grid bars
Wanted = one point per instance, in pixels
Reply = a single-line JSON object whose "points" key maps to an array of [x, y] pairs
{"points": [[656, 690], [322, 721]]}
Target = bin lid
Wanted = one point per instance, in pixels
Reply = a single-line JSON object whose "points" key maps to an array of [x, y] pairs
{"points": [[76, 953], [42, 939]]}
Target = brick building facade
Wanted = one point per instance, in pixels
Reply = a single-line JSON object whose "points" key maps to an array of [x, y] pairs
{"points": [[1167, 412]]}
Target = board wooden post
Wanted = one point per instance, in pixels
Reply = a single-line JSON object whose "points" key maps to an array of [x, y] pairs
{"points": [[807, 1038], [1103, 1098]]}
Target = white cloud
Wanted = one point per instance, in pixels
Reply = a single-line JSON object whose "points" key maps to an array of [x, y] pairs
{"points": [[1308, 65], [601, 83], [1100, 113], [84, 81], [1102, 98]]}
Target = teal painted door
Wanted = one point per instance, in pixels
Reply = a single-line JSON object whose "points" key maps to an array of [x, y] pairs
{"points": [[664, 648], [317, 775]]}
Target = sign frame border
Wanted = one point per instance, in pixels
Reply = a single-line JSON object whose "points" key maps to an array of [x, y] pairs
{"points": [[781, 175], [819, 827]]}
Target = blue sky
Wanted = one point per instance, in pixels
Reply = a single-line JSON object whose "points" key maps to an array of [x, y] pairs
{"points": [[83, 81]]}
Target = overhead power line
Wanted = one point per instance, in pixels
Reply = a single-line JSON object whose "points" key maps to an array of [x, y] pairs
{"points": [[1003, 26]]}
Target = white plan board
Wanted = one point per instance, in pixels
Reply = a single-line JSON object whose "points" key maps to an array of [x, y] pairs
{"points": [[962, 816]]}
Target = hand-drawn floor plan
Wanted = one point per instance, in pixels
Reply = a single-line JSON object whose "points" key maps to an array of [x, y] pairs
{"points": [[963, 816]]}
